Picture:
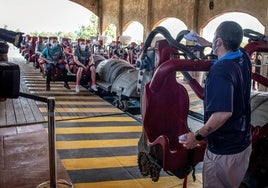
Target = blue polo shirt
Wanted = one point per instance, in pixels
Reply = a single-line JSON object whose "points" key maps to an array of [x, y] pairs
{"points": [[53, 53], [227, 90]]}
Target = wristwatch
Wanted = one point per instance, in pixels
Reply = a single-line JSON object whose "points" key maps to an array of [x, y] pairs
{"points": [[198, 136]]}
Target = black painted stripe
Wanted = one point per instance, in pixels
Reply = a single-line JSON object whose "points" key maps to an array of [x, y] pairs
{"points": [[93, 124], [97, 152], [96, 136]]}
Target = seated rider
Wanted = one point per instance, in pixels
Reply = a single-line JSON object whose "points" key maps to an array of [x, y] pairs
{"points": [[39, 47], [120, 52], [69, 59], [84, 60], [54, 58]]}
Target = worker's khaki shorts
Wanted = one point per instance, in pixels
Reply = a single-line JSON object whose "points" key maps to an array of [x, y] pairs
{"points": [[225, 171]]}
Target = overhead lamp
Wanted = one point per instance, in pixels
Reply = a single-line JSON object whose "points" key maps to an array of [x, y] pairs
{"points": [[211, 4]]}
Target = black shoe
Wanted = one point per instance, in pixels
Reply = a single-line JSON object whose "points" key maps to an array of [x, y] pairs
{"points": [[47, 87], [66, 85]]}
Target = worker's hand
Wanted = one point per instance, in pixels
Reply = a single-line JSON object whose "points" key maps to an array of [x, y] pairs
{"points": [[190, 142]]}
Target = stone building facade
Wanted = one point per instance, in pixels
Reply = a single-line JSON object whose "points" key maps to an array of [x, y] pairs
{"points": [[194, 13]]}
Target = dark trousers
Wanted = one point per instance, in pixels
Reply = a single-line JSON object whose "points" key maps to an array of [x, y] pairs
{"points": [[51, 66]]}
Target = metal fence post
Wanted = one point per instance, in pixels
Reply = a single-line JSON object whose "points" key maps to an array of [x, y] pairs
{"points": [[53, 183], [51, 142]]}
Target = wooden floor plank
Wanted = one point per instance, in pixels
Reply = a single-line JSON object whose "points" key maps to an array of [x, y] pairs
{"points": [[3, 113], [36, 112], [10, 116], [20, 117], [27, 110]]}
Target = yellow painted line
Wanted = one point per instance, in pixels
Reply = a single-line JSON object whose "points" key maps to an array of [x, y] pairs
{"points": [[81, 118], [34, 79], [104, 119], [60, 85], [163, 182], [87, 130], [32, 75], [96, 143], [88, 110], [39, 84], [54, 91], [79, 102], [67, 118], [78, 97], [99, 162], [190, 91], [196, 107], [193, 99], [53, 88]]}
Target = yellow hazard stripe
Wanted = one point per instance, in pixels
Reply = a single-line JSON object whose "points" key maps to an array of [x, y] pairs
{"points": [[79, 103], [91, 119], [74, 109], [196, 107], [104, 119], [99, 162], [79, 97], [163, 182], [96, 143], [193, 99], [88, 130]]}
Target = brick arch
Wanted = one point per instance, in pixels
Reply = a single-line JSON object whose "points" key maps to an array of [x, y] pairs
{"points": [[221, 14], [195, 14], [164, 19], [91, 5], [127, 25]]}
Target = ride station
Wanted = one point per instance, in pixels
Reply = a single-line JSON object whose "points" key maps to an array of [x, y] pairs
{"points": [[121, 127]]}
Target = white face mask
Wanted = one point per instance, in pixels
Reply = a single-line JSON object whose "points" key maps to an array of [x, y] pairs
{"points": [[54, 44], [83, 47]]}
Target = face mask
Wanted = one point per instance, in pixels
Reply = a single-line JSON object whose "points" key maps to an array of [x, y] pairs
{"points": [[215, 47], [54, 44], [83, 47]]}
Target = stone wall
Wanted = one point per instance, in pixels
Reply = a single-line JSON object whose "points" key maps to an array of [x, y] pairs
{"points": [[194, 13]]}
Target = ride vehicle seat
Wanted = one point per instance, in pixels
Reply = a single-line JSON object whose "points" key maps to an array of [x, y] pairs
{"points": [[165, 111], [164, 51]]}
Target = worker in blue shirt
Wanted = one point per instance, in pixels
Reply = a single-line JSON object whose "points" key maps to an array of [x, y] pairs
{"points": [[227, 111]]}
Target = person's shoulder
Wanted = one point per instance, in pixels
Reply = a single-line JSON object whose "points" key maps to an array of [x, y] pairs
{"points": [[76, 49], [223, 68], [59, 47], [44, 50], [222, 65]]}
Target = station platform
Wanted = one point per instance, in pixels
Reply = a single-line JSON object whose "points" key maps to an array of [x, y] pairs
{"points": [[96, 142]]}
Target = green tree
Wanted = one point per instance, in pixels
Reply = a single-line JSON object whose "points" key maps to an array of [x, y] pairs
{"points": [[87, 31], [110, 31]]}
